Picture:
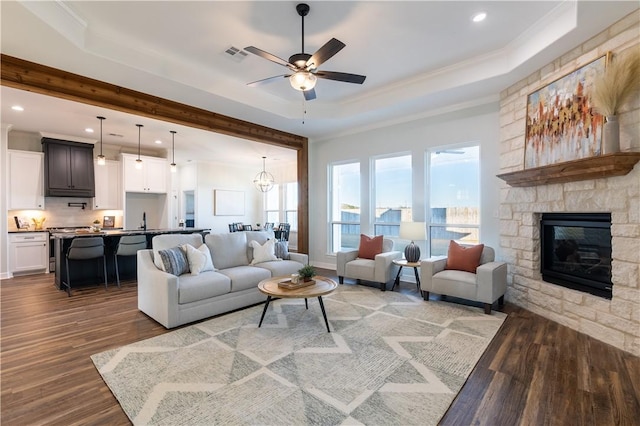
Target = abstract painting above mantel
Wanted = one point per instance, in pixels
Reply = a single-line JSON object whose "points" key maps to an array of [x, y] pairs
{"points": [[561, 123]]}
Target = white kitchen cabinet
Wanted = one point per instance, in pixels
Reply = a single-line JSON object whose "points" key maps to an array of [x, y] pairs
{"points": [[152, 178], [28, 252], [108, 186], [26, 180]]}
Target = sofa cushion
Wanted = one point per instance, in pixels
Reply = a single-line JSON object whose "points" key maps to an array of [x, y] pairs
{"points": [[245, 277], [361, 268], [174, 261], [263, 253], [281, 267], [192, 288], [228, 250], [369, 247], [459, 283], [199, 258], [463, 258], [281, 250], [165, 241]]}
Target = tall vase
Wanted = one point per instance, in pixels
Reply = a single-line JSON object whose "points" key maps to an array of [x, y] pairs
{"points": [[611, 135]]}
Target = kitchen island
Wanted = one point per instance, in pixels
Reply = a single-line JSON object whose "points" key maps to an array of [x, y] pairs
{"points": [[88, 272]]}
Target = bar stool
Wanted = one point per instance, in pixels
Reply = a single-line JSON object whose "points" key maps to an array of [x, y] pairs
{"points": [[128, 246], [85, 248]]}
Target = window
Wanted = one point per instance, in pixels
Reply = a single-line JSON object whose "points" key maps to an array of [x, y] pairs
{"points": [[291, 204], [345, 206], [289, 212], [454, 197], [272, 205], [392, 194]]}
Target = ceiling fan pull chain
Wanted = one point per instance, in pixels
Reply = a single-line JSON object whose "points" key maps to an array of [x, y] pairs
{"points": [[304, 109]]}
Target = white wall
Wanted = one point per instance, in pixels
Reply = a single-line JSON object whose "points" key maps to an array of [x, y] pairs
{"points": [[475, 125], [211, 176]]}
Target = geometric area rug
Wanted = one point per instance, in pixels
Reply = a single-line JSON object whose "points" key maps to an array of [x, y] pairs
{"points": [[391, 358]]}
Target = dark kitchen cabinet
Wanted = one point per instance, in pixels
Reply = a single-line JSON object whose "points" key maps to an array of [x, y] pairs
{"points": [[68, 168]]}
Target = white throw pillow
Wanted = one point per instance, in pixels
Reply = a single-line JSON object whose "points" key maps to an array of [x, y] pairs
{"points": [[199, 258], [263, 253]]}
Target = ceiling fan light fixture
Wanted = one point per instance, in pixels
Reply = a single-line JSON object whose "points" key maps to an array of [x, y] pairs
{"points": [[303, 80]]}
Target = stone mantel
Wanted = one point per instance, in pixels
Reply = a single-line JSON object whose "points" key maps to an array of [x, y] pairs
{"points": [[602, 166]]}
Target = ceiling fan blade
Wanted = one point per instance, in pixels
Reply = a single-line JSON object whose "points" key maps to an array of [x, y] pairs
{"points": [[266, 80], [325, 53], [268, 56], [309, 95], [341, 76]]}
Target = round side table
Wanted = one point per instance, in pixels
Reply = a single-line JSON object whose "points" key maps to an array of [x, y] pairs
{"points": [[402, 263]]}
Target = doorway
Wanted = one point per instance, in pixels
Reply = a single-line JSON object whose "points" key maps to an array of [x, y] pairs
{"points": [[189, 209]]}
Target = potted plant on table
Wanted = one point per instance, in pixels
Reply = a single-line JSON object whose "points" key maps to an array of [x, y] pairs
{"points": [[307, 273], [96, 225]]}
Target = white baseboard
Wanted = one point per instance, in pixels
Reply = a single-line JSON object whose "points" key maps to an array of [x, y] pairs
{"points": [[323, 265]]}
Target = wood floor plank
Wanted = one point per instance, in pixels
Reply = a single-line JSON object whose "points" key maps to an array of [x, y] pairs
{"points": [[534, 371]]}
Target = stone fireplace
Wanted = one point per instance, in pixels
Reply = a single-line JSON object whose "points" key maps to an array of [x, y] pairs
{"points": [[614, 320]]}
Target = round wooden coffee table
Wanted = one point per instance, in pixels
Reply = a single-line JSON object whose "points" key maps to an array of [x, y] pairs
{"points": [[322, 286]]}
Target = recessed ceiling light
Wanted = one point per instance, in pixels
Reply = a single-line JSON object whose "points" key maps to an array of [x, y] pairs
{"points": [[88, 130], [479, 17], [158, 141], [17, 108]]}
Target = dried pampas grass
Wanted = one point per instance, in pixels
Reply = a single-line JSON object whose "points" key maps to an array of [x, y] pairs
{"points": [[620, 80]]}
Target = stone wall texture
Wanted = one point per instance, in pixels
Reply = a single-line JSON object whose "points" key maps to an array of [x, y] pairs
{"points": [[615, 321]]}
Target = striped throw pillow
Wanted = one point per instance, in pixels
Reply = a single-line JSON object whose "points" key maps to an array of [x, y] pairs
{"points": [[281, 250], [174, 261]]}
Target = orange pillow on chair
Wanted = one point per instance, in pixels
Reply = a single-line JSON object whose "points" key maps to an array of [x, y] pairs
{"points": [[369, 247], [464, 258]]}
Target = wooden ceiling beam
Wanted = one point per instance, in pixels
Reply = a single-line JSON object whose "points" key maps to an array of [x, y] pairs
{"points": [[26, 75], [37, 78]]}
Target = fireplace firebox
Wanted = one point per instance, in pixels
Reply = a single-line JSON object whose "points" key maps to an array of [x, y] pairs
{"points": [[576, 251]]}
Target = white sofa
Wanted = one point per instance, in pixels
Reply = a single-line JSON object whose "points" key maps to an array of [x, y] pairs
{"points": [[175, 300]]}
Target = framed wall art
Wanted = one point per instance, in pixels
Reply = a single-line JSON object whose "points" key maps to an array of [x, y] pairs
{"points": [[561, 123], [108, 221]]}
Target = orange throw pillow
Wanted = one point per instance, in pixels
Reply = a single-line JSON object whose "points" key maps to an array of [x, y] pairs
{"points": [[369, 247], [464, 258]]}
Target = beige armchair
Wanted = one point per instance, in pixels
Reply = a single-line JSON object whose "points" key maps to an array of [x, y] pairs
{"points": [[380, 270], [487, 285]]}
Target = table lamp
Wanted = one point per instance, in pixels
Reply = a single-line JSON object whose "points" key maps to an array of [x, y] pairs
{"points": [[412, 231]]}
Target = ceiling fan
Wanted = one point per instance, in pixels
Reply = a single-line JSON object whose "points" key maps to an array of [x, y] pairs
{"points": [[304, 67]]}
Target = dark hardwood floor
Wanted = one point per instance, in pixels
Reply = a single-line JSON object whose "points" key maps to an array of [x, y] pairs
{"points": [[535, 372]]}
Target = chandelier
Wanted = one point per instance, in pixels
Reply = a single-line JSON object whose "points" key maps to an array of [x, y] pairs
{"points": [[264, 180]]}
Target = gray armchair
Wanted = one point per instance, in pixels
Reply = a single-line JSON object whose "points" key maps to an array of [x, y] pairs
{"points": [[380, 270], [487, 285]]}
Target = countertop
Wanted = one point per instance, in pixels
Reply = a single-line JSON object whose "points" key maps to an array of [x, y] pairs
{"points": [[22, 231], [121, 232]]}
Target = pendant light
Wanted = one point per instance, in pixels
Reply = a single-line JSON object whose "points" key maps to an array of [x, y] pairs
{"points": [[173, 166], [139, 161], [101, 158], [264, 180]]}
